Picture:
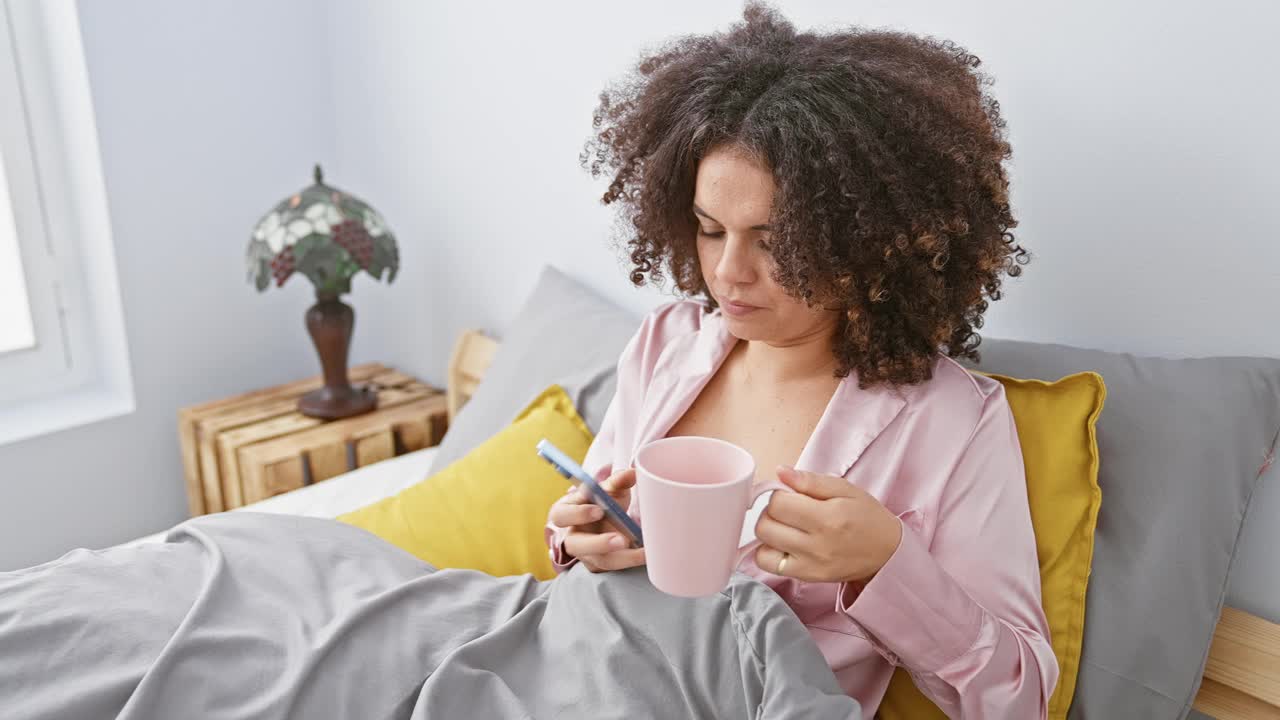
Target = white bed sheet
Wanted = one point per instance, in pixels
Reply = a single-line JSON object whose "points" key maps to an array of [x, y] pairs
{"points": [[342, 493]]}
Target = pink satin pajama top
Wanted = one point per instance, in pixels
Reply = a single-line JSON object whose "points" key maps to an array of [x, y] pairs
{"points": [[958, 603]]}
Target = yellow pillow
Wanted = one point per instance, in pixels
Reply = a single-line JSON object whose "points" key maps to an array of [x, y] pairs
{"points": [[1060, 451], [487, 510]]}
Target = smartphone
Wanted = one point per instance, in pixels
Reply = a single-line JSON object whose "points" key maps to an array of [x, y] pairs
{"points": [[572, 471]]}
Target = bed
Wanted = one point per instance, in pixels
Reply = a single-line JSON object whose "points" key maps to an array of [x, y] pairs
{"points": [[1241, 677]]}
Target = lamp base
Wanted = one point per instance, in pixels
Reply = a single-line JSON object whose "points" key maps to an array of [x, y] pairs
{"points": [[330, 322], [331, 403]]}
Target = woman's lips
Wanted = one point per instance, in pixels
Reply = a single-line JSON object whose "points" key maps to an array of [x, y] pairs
{"points": [[737, 309]]}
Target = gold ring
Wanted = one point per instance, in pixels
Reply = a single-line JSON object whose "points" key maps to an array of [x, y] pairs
{"points": [[782, 564]]}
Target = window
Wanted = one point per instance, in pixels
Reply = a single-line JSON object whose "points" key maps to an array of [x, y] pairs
{"points": [[16, 332], [63, 360], [31, 336]]}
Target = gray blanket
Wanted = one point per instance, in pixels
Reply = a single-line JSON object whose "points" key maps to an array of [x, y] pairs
{"points": [[246, 615]]}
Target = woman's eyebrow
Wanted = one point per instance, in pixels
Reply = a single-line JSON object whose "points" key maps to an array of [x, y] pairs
{"points": [[699, 211]]}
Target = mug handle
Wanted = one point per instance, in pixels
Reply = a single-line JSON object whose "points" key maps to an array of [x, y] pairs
{"points": [[754, 510], [768, 487]]}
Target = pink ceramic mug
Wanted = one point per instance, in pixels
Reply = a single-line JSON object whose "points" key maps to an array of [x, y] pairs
{"points": [[694, 494]]}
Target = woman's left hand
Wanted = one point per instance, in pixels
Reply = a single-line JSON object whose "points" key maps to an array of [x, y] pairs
{"points": [[832, 530]]}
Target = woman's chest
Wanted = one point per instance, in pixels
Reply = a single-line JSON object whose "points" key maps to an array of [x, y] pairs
{"points": [[772, 423]]}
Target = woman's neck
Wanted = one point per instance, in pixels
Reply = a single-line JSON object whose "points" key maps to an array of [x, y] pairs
{"points": [[796, 360]]}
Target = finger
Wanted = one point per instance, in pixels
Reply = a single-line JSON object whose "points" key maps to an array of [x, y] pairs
{"points": [[781, 537], [798, 567], [580, 544], [575, 495], [620, 559], [569, 515], [799, 511], [619, 481], [821, 487]]}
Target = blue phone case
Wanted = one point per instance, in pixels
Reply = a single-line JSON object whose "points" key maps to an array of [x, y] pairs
{"points": [[575, 474]]}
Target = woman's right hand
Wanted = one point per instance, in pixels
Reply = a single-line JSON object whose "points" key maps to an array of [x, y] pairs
{"points": [[592, 539]]}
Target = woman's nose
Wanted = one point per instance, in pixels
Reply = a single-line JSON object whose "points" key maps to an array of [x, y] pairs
{"points": [[737, 262]]}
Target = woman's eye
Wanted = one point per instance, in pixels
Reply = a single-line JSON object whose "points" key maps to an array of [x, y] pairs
{"points": [[765, 245], [706, 233]]}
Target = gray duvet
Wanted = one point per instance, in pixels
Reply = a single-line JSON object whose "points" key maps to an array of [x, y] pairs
{"points": [[246, 615]]}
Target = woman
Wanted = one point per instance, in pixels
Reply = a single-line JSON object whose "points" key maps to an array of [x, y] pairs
{"points": [[839, 203]]}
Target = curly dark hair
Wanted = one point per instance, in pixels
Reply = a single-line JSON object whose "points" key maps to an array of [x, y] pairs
{"points": [[891, 201]]}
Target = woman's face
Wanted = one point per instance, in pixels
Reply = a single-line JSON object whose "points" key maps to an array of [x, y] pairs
{"points": [[732, 199]]}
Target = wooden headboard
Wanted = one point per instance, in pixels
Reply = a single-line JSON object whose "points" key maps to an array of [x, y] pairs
{"points": [[471, 357], [1241, 679]]}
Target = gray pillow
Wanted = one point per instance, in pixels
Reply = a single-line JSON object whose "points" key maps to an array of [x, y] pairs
{"points": [[1181, 443], [565, 334]]}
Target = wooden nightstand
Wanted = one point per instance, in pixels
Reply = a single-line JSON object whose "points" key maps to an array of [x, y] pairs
{"points": [[252, 446]]}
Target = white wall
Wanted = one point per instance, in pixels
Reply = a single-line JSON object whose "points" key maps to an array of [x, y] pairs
{"points": [[207, 114], [1143, 133]]}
